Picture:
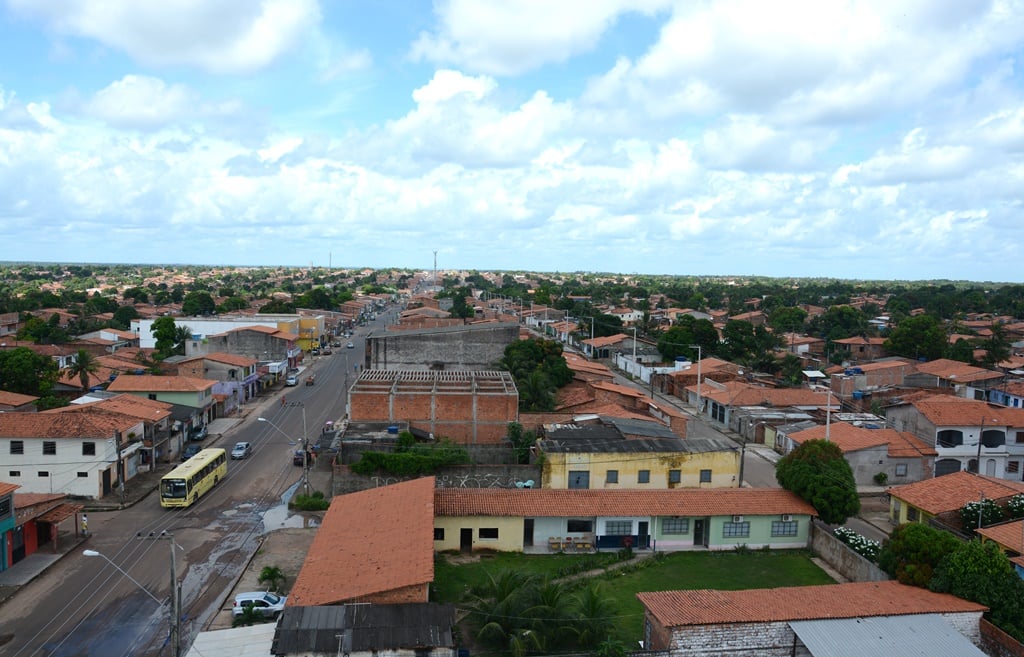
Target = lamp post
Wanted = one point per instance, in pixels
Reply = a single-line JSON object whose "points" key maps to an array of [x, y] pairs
{"points": [[699, 358], [175, 606], [304, 442]]}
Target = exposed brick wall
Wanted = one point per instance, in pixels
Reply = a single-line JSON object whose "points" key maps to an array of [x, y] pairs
{"points": [[453, 348], [413, 593]]}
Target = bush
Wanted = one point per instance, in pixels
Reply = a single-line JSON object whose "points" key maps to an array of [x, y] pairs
{"points": [[863, 546], [1015, 506], [881, 478], [414, 461], [314, 502], [913, 551], [987, 510]]}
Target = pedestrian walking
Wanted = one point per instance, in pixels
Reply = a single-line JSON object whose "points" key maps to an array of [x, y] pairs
{"points": [[85, 525]]}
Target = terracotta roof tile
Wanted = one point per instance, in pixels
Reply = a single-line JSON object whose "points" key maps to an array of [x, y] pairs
{"points": [[945, 368], [561, 503], [22, 500], [950, 492], [1010, 535], [859, 599], [947, 410], [851, 438], [15, 399], [6, 488], [148, 382], [396, 549], [98, 424]]}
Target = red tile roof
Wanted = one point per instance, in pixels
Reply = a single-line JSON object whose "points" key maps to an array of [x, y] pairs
{"points": [[1010, 535], [147, 382], [561, 503], [6, 488], [15, 399], [230, 359], [946, 410], [859, 599], [98, 424], [950, 492], [141, 408], [393, 547], [850, 438], [945, 368]]}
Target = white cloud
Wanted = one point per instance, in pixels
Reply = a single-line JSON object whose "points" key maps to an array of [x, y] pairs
{"points": [[222, 36], [509, 38]]}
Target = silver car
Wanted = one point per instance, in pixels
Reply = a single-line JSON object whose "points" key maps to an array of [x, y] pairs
{"points": [[266, 603], [241, 450]]}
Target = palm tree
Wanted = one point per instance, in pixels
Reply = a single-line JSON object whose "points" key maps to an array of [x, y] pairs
{"points": [[594, 612], [83, 365], [182, 334], [272, 574]]}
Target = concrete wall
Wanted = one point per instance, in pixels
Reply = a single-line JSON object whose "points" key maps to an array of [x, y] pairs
{"points": [[472, 347], [843, 560], [470, 476]]}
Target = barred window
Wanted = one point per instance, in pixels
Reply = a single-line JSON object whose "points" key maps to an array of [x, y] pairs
{"points": [[17, 447], [89, 449], [675, 526], [736, 529], [611, 477], [784, 528], [643, 477], [438, 533], [618, 527], [705, 476], [675, 476], [49, 447], [488, 532]]}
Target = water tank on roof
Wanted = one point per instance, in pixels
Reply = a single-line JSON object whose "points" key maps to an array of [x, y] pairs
{"points": [[393, 429], [857, 394], [852, 371]]}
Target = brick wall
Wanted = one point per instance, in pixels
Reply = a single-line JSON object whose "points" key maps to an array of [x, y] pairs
{"points": [[474, 347]]}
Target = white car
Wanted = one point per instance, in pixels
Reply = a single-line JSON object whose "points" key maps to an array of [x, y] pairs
{"points": [[267, 603], [292, 380], [350, 346], [241, 450]]}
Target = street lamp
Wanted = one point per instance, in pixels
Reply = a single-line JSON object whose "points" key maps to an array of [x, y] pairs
{"points": [[304, 442], [175, 597]]}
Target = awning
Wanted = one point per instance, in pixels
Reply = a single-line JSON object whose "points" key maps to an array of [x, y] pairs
{"points": [[59, 513]]}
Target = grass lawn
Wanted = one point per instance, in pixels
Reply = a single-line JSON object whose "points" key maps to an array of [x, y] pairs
{"points": [[675, 570]]}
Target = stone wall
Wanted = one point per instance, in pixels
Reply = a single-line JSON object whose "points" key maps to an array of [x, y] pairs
{"points": [[843, 560]]}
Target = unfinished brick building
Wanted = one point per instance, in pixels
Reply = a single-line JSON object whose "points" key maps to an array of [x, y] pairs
{"points": [[467, 407]]}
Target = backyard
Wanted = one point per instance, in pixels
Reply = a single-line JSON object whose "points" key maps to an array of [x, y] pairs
{"points": [[460, 579]]}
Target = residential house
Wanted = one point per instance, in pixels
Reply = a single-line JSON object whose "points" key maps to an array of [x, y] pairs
{"points": [[603, 347], [1010, 394], [860, 618], [13, 402], [900, 456], [676, 383], [236, 377], [965, 380], [719, 400], [389, 561], [862, 348], [81, 454], [7, 524], [601, 456], [38, 517], [192, 397], [966, 434], [1009, 536], [856, 383], [546, 519], [759, 424], [755, 317], [628, 316], [274, 349], [8, 324], [942, 498], [155, 416]]}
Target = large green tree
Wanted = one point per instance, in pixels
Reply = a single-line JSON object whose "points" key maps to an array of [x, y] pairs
{"points": [[25, 372], [539, 369], [163, 330], [980, 572], [914, 550], [918, 337], [198, 303], [817, 472]]}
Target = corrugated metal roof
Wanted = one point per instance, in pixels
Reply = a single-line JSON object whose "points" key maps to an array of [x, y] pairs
{"points": [[253, 641], [924, 635], [363, 627]]}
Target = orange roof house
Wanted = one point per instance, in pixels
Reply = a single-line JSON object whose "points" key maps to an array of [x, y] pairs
{"points": [[943, 497], [390, 562], [1010, 537], [758, 621]]}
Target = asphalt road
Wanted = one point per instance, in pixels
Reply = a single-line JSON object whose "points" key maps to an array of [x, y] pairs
{"points": [[118, 605]]}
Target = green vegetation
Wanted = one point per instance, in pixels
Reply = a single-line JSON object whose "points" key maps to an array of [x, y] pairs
{"points": [[913, 552], [817, 472], [410, 459], [273, 576], [539, 370], [980, 572], [312, 502], [469, 585]]}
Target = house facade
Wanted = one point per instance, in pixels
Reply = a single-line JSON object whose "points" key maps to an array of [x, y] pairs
{"points": [[518, 520], [942, 498], [192, 393], [966, 434]]}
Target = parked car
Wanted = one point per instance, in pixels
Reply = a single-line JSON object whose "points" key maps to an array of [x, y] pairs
{"points": [[300, 458], [326, 351], [190, 451], [350, 346], [291, 380], [267, 603], [200, 433], [241, 450]]}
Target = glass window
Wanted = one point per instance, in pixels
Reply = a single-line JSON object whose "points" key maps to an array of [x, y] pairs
{"points": [[489, 532], [705, 476], [438, 533], [83, 475], [643, 477], [736, 529], [901, 469], [43, 473], [912, 514], [575, 526], [1013, 466], [88, 449], [675, 476], [579, 479], [784, 528], [611, 477], [17, 447], [675, 526], [618, 527], [14, 473], [49, 447]]}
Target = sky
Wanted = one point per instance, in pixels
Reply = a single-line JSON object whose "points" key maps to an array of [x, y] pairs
{"points": [[860, 140]]}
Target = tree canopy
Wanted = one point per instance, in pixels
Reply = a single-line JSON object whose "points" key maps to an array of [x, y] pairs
{"points": [[980, 572], [25, 372], [817, 472], [914, 550], [918, 337], [539, 369]]}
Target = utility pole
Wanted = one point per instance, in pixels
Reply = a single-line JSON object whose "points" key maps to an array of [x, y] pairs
{"points": [[175, 632]]}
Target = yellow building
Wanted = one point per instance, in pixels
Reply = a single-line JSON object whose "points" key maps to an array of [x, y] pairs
{"points": [[602, 457]]}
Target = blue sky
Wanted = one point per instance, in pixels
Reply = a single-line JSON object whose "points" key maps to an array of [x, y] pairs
{"points": [[878, 140]]}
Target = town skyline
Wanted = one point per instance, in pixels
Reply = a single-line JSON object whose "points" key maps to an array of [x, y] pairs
{"points": [[857, 141]]}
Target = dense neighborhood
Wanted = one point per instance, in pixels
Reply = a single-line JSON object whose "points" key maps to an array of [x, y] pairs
{"points": [[513, 413]]}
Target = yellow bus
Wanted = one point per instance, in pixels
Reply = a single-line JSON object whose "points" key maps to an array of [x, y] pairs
{"points": [[186, 483]]}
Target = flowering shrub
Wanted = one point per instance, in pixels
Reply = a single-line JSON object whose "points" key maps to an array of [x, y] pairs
{"points": [[865, 547], [989, 512], [1015, 507]]}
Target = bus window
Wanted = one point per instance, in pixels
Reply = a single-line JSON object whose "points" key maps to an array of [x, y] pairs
{"points": [[173, 488]]}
